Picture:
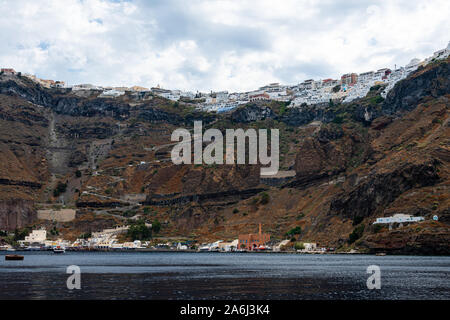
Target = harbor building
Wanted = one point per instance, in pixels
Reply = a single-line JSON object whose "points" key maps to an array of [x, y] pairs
{"points": [[253, 241], [36, 236]]}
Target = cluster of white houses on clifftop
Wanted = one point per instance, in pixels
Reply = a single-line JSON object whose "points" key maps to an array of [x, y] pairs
{"points": [[349, 87]]}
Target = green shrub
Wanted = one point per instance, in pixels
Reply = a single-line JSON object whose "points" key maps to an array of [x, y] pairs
{"points": [[356, 234], [265, 198], [156, 226], [60, 188], [357, 220], [129, 213], [299, 246], [376, 100], [54, 231], [139, 231], [300, 216], [21, 234], [294, 231], [437, 120], [376, 228], [338, 119]]}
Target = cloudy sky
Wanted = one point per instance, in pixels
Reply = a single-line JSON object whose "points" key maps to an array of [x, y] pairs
{"points": [[215, 45]]}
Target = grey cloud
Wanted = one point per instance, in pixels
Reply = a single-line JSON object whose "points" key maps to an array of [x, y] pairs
{"points": [[176, 21], [295, 72], [142, 46]]}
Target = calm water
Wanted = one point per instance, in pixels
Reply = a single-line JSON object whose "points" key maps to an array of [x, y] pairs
{"points": [[150, 275]]}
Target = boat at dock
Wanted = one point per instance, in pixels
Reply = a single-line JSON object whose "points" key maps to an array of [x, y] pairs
{"points": [[59, 249], [33, 248]]}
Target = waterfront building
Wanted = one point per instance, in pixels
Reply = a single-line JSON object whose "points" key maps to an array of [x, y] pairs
{"points": [[228, 246], [36, 236], [253, 241], [309, 246], [280, 245]]}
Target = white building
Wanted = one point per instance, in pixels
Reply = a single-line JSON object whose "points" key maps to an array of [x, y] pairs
{"points": [[181, 246], [398, 218], [111, 93], [366, 76], [442, 54], [188, 95], [85, 87], [310, 246], [259, 97], [36, 236], [222, 96], [412, 65], [229, 246]]}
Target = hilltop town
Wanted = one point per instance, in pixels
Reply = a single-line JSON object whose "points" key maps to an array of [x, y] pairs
{"points": [[349, 87]]}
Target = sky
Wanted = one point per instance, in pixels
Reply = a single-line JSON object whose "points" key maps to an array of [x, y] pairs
{"points": [[215, 45]]}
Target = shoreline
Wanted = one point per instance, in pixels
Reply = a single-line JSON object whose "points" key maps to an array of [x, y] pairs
{"points": [[223, 252]]}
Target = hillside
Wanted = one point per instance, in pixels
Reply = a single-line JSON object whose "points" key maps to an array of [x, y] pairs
{"points": [[353, 163]]}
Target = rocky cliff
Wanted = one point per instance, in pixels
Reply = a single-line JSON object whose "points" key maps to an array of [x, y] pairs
{"points": [[16, 213], [353, 163]]}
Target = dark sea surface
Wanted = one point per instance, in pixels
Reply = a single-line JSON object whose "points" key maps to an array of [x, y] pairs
{"points": [[172, 275]]}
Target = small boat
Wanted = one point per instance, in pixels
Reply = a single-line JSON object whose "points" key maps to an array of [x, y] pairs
{"points": [[59, 249], [13, 257], [380, 254], [33, 248], [10, 249]]}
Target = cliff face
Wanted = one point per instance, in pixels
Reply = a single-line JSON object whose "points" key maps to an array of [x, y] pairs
{"points": [[252, 112], [378, 190], [26, 90], [353, 163], [16, 214], [429, 238], [92, 107], [431, 82], [304, 115], [329, 153]]}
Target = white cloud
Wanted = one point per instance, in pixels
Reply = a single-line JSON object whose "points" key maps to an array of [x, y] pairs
{"points": [[215, 45]]}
